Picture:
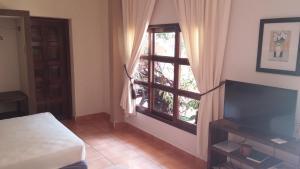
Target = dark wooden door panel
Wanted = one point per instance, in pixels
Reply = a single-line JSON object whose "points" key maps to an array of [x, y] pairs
{"points": [[50, 46], [37, 53]]}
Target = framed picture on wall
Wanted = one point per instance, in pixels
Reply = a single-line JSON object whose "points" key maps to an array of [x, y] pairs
{"points": [[278, 46]]}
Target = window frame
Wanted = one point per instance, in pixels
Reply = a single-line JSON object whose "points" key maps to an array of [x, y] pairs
{"points": [[177, 61]]}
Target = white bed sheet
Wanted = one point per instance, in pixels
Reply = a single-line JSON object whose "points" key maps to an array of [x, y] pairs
{"points": [[38, 142]]}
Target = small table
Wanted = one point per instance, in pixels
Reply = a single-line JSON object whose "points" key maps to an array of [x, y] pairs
{"points": [[17, 97]]}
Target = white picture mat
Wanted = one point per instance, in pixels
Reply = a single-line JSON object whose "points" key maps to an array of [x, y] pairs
{"points": [[291, 64]]}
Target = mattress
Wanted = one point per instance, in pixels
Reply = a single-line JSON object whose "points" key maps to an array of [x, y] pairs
{"points": [[38, 142]]}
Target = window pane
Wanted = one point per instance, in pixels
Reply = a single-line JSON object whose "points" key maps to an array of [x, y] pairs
{"points": [[164, 73], [141, 72], [145, 44], [183, 53], [187, 80], [165, 44], [142, 96], [163, 101], [188, 109]]}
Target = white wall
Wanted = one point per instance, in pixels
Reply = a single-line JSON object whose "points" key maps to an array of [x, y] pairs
{"points": [[90, 50], [9, 59], [240, 61], [177, 137], [164, 13]]}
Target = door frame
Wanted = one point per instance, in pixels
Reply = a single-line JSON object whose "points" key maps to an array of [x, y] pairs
{"points": [[66, 23]]}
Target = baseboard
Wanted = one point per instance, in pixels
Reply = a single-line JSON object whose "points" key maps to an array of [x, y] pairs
{"points": [[88, 116]]}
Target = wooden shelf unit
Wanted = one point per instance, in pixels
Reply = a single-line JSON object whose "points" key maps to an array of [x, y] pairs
{"points": [[227, 165], [219, 131], [17, 97]]}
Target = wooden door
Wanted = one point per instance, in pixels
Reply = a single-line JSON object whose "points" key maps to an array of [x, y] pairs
{"points": [[50, 50]]}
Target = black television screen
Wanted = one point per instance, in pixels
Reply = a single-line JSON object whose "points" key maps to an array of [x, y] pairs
{"points": [[267, 110]]}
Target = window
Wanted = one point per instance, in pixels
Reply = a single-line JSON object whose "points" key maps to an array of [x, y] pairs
{"points": [[165, 84]]}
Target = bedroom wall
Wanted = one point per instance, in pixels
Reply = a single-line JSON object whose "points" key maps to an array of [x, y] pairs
{"points": [[9, 59], [89, 47]]}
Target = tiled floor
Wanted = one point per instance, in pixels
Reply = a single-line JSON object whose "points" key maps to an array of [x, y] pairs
{"points": [[127, 147]]}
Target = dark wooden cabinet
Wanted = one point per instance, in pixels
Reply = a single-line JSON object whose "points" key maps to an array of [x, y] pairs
{"points": [[51, 57]]}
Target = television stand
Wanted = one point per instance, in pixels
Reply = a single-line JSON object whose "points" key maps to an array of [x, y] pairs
{"points": [[219, 131]]}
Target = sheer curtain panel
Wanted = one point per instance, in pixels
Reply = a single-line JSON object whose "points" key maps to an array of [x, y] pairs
{"points": [[136, 18], [204, 25]]}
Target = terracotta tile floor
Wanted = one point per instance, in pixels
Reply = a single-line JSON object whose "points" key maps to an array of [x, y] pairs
{"points": [[127, 147]]}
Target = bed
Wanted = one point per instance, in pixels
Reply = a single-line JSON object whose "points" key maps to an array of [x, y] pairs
{"points": [[39, 142]]}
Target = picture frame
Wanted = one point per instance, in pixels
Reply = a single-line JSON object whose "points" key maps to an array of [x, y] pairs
{"points": [[279, 46]]}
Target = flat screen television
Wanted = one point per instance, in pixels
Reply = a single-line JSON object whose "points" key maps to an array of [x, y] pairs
{"points": [[262, 109]]}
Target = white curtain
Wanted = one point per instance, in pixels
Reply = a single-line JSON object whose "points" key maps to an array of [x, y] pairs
{"points": [[136, 18], [204, 25]]}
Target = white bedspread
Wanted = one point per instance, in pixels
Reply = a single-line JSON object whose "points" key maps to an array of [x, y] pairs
{"points": [[38, 142]]}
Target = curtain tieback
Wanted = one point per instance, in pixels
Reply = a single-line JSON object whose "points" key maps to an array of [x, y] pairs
{"points": [[215, 88], [133, 94]]}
